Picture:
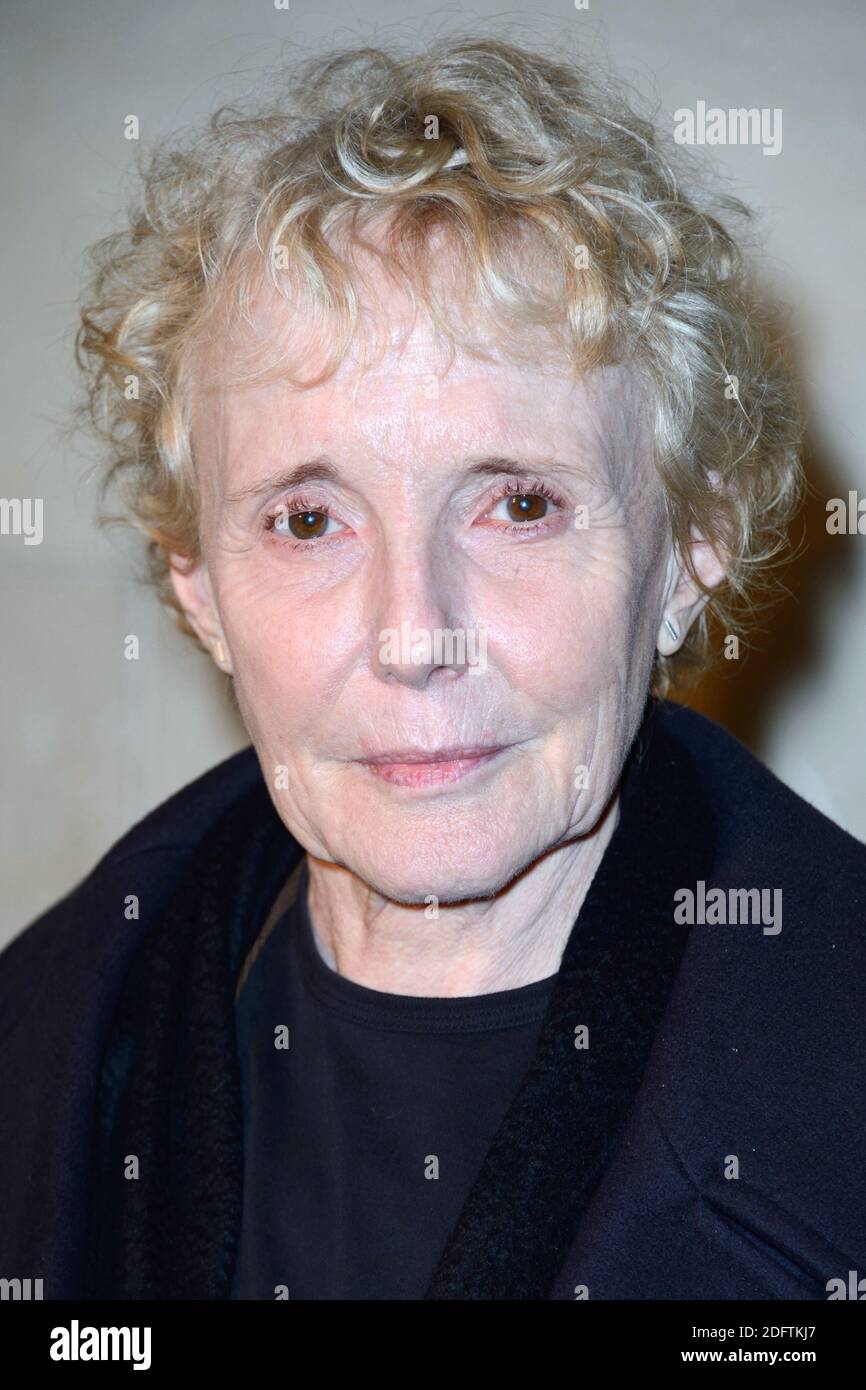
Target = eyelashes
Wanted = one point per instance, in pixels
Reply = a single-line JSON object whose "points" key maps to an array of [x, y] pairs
{"points": [[292, 507], [299, 505], [541, 489]]}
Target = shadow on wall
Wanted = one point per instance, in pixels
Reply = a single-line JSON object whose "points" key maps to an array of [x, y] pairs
{"points": [[740, 695]]}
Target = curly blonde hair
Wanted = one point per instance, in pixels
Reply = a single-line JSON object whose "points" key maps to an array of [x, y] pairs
{"points": [[490, 143]]}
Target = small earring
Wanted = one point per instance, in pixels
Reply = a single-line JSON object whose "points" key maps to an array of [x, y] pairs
{"points": [[672, 629], [219, 653]]}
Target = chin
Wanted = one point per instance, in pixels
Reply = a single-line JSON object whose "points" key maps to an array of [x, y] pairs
{"points": [[413, 868]]}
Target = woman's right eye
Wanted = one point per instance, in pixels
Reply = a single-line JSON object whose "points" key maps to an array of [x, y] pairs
{"points": [[306, 524]]}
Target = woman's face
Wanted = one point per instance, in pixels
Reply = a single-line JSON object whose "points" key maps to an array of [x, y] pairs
{"points": [[400, 604]]}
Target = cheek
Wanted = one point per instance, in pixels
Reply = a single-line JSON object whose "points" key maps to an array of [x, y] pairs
{"points": [[287, 653], [568, 631]]}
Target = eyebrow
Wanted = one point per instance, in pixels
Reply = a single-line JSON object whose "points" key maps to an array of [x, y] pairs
{"points": [[316, 470], [323, 470]]}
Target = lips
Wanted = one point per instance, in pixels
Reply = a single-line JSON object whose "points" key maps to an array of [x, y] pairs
{"points": [[415, 767]]}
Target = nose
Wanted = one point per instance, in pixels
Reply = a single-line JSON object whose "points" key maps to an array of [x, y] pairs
{"points": [[415, 638]]}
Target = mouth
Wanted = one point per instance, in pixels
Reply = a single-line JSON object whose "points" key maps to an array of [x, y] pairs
{"points": [[407, 767]]}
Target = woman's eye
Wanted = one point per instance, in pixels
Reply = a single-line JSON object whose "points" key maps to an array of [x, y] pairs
{"points": [[522, 506], [301, 526]]}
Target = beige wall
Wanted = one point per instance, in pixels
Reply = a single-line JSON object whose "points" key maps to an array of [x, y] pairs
{"points": [[90, 741]]}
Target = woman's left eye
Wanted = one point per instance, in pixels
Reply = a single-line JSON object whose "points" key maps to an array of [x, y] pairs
{"points": [[521, 507]]}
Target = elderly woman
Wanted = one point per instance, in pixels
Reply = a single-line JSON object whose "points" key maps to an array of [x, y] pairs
{"points": [[487, 972]]}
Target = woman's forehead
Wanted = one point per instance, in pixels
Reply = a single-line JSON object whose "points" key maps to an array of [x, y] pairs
{"points": [[400, 384], [268, 329], [406, 390], [280, 344], [388, 436]]}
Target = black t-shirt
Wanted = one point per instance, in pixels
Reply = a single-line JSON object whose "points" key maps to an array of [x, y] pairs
{"points": [[363, 1136]]}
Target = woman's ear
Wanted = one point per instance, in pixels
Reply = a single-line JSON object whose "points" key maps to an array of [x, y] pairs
{"points": [[191, 583], [686, 599]]}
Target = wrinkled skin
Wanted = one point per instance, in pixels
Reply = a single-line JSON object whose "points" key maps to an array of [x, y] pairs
{"points": [[571, 614]]}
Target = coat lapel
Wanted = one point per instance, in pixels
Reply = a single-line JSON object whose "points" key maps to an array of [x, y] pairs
{"points": [[167, 1174], [616, 975]]}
